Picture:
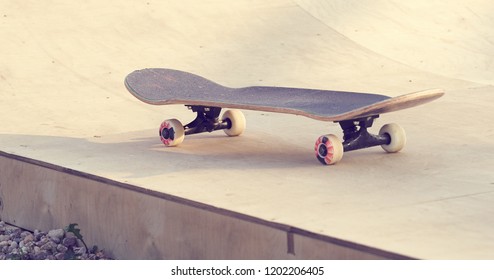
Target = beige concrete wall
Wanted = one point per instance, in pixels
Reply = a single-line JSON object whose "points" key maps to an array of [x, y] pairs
{"points": [[133, 223]]}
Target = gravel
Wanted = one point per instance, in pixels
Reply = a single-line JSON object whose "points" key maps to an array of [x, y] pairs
{"points": [[56, 244]]}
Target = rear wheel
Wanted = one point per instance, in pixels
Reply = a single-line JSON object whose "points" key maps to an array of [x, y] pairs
{"points": [[397, 137]]}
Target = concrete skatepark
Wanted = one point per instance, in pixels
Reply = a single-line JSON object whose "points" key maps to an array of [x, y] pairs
{"points": [[76, 147]]}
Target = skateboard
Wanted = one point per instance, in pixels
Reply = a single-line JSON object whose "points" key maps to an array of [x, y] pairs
{"points": [[354, 112]]}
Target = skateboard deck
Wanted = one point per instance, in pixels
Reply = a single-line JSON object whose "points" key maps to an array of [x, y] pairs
{"points": [[167, 86], [353, 110]]}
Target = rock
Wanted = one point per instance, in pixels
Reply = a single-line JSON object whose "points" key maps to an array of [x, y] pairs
{"points": [[42, 242], [14, 245], [56, 234], [69, 241], [36, 250], [25, 250], [48, 246], [41, 255], [14, 253], [61, 248], [28, 238], [79, 250], [37, 234], [4, 237]]}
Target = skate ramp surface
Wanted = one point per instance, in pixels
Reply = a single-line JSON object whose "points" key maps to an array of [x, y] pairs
{"points": [[454, 39]]}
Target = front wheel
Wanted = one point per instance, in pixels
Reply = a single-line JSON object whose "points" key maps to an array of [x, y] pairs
{"points": [[172, 132], [329, 149]]}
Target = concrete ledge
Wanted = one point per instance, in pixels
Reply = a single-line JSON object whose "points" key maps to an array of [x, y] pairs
{"points": [[136, 223]]}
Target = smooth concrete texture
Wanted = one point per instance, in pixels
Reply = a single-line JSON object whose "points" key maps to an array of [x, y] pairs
{"points": [[63, 102]]}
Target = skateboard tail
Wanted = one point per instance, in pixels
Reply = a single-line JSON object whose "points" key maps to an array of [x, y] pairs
{"points": [[391, 105]]}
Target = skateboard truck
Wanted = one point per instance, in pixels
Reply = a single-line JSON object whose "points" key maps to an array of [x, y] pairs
{"points": [[207, 120], [329, 149], [356, 136]]}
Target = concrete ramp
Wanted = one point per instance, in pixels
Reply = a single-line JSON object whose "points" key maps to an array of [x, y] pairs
{"points": [[454, 39], [76, 147]]}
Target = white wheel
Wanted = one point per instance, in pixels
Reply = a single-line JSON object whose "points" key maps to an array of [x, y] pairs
{"points": [[396, 134], [329, 149], [236, 122], [172, 132]]}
